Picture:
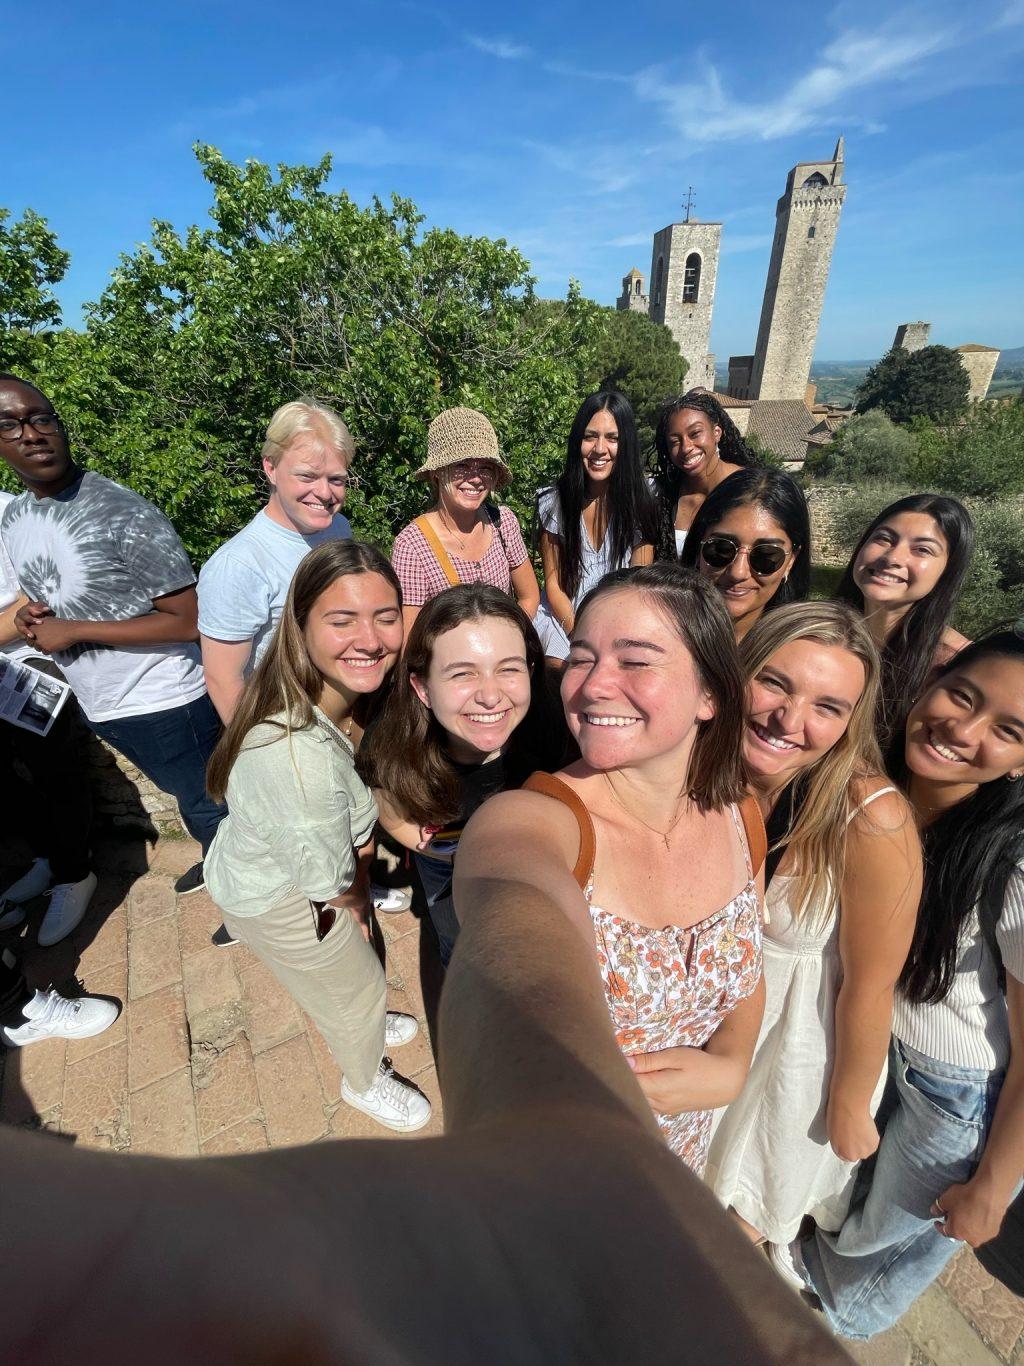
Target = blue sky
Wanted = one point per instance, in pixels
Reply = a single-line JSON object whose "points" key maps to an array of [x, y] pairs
{"points": [[571, 129]]}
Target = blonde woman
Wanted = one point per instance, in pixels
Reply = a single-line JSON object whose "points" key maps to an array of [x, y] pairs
{"points": [[289, 864], [463, 537], [843, 885]]}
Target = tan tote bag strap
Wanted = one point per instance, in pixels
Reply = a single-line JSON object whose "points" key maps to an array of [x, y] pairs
{"points": [[440, 554], [753, 828], [550, 786]]}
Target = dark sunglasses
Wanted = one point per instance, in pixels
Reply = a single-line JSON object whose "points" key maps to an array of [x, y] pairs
{"points": [[764, 559]]}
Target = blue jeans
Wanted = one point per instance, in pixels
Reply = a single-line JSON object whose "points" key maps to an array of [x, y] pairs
{"points": [[934, 1119], [436, 877], [171, 748]]}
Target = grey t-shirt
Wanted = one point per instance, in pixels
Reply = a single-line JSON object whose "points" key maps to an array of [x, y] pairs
{"points": [[101, 552], [243, 585]]}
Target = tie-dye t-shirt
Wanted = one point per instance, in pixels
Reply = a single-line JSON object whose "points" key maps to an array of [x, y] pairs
{"points": [[99, 552]]}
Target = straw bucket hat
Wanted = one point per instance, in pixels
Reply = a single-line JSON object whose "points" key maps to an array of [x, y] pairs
{"points": [[462, 434]]}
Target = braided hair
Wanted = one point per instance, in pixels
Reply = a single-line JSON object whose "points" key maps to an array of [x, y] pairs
{"points": [[668, 477]]}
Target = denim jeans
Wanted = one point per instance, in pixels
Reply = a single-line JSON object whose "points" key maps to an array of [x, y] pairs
{"points": [[171, 748], [934, 1119], [436, 878]]}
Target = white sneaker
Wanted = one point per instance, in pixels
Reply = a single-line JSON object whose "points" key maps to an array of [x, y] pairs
{"points": [[399, 1028], [69, 902], [52, 1016], [390, 900], [31, 884], [785, 1258], [390, 1101]]}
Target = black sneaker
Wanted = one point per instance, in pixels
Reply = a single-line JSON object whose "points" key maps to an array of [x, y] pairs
{"points": [[191, 881], [223, 938]]}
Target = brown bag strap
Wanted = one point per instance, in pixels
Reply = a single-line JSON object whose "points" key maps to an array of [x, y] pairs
{"points": [[550, 786], [440, 554], [753, 828]]}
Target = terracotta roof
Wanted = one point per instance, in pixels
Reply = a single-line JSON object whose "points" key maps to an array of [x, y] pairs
{"points": [[727, 401], [781, 425], [972, 346]]}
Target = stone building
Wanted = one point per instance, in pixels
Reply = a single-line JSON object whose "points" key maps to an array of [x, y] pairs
{"points": [[684, 272], [633, 298], [912, 336], [980, 363], [806, 223]]}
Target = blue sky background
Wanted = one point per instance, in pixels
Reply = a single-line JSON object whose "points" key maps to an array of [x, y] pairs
{"points": [[571, 129]]}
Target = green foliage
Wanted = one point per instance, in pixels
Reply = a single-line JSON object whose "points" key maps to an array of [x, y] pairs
{"points": [[31, 262], [762, 454], [994, 588], [294, 289], [928, 383], [867, 446], [639, 358], [981, 455]]}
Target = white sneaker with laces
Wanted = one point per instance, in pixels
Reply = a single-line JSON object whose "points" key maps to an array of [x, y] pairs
{"points": [[390, 1101], [399, 1028], [390, 900], [31, 884], [69, 902], [785, 1258], [52, 1016]]}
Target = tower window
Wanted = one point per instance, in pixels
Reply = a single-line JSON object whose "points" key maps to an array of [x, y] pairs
{"points": [[810, 231], [636, 287], [815, 182], [691, 278]]}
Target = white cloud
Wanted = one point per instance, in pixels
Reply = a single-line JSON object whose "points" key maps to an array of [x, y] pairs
{"points": [[502, 48], [1011, 16], [704, 112]]}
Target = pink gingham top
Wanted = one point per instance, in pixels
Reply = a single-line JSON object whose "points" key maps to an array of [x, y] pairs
{"points": [[422, 578]]}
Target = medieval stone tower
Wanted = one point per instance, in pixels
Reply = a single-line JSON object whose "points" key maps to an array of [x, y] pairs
{"points": [[632, 299], [912, 336], [684, 271], [806, 222]]}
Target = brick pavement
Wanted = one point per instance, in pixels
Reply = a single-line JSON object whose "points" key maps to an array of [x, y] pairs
{"points": [[211, 1056]]}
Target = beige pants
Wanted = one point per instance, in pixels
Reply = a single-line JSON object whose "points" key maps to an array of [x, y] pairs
{"points": [[338, 981]]}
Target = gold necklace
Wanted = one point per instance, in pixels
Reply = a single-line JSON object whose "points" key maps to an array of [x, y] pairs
{"points": [[663, 835], [450, 528]]}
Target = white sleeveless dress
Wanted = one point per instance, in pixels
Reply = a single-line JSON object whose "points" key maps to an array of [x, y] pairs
{"points": [[770, 1158]]}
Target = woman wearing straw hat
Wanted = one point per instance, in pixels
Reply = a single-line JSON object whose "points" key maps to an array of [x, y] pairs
{"points": [[463, 537]]}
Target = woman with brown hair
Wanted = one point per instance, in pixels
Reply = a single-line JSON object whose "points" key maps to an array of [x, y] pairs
{"points": [[470, 714], [843, 883], [649, 848], [289, 866]]}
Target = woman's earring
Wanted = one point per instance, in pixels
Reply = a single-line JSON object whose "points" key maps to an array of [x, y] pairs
{"points": [[1013, 777]]}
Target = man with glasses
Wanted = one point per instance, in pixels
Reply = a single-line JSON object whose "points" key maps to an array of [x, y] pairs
{"points": [[112, 600]]}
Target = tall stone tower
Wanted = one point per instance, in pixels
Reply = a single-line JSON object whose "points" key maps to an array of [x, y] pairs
{"points": [[806, 222], [632, 299], [684, 272], [911, 336]]}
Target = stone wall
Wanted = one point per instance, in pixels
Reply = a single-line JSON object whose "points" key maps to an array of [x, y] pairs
{"points": [[123, 797]]}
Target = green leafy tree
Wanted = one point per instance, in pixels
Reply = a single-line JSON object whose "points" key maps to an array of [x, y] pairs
{"points": [[640, 358], [294, 289], [867, 446], [980, 455], [929, 383], [31, 263]]}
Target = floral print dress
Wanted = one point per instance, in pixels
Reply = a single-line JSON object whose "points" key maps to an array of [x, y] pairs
{"points": [[675, 986]]}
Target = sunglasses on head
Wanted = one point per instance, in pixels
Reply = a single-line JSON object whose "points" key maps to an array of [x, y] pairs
{"points": [[764, 559]]}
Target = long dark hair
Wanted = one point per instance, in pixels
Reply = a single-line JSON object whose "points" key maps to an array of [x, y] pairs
{"points": [[406, 755], [286, 680], [783, 500], [909, 654], [629, 506], [668, 477], [970, 852], [698, 616]]}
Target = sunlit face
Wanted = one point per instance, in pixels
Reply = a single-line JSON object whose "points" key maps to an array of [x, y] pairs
{"points": [[477, 685], [466, 485], [599, 448], [309, 482], [799, 704], [902, 561], [38, 457], [631, 690], [354, 633], [969, 727], [745, 591], [693, 441]]}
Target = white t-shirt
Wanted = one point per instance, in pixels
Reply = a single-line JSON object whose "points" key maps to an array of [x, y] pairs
{"points": [[244, 583], [970, 1027], [10, 592], [100, 552]]}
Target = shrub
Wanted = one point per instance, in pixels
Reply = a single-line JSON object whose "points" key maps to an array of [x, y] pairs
{"points": [[867, 446]]}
